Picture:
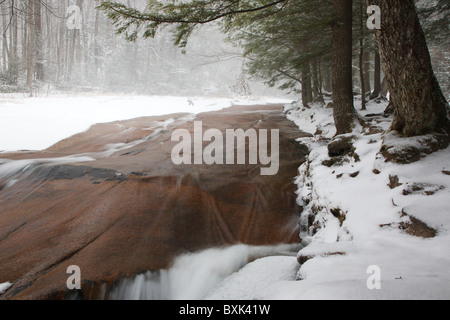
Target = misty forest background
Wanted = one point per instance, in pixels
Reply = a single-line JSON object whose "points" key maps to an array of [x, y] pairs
{"points": [[40, 54]]}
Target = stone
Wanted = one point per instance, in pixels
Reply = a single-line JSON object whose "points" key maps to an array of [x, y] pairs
{"points": [[134, 210], [341, 145], [394, 182]]}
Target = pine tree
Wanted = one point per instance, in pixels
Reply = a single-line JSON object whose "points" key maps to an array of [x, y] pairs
{"points": [[287, 49]]}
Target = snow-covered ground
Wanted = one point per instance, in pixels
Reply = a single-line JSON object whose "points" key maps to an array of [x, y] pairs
{"points": [[362, 250], [38, 123]]}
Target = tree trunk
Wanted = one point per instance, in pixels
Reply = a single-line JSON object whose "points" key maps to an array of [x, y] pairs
{"points": [[377, 77], [14, 51], [307, 96], [305, 87], [309, 83], [38, 40], [317, 82], [362, 78], [6, 55], [344, 110], [420, 107], [328, 83], [366, 70], [29, 48], [96, 45]]}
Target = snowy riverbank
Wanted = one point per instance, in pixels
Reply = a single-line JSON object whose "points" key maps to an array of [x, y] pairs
{"points": [[371, 230]]}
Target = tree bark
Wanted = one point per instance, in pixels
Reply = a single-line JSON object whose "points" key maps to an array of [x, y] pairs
{"points": [[344, 110], [420, 107], [38, 40], [328, 83], [306, 85], [366, 70], [29, 48], [317, 83], [14, 65], [377, 77], [362, 78]]}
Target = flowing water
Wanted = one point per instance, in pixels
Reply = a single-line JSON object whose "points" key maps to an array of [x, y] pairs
{"points": [[193, 276]]}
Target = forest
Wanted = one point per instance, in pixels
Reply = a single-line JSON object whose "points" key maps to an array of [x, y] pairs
{"points": [[69, 46]]}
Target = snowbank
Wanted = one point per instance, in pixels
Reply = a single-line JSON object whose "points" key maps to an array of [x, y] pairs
{"points": [[365, 222], [38, 123]]}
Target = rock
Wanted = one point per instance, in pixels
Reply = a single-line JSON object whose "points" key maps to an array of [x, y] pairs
{"points": [[421, 188], [70, 172], [354, 175], [339, 214], [134, 210], [340, 145], [405, 150], [417, 228], [301, 259], [394, 182], [335, 161]]}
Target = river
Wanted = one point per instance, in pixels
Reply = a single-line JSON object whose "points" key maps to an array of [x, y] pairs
{"points": [[111, 201]]}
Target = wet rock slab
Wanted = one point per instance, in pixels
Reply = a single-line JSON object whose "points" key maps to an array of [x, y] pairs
{"points": [[131, 209]]}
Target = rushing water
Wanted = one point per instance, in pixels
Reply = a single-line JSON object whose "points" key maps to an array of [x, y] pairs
{"points": [[192, 276]]}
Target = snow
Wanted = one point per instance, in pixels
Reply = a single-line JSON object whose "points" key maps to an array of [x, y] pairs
{"points": [[257, 279], [38, 123], [340, 255], [4, 286]]}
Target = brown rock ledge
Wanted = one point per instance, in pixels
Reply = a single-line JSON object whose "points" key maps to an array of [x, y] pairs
{"points": [[132, 210]]}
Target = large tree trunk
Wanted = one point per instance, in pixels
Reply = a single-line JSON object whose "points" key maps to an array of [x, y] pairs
{"points": [[420, 107], [344, 110]]}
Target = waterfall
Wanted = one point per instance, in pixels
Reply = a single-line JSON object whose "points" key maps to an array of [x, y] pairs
{"points": [[193, 275]]}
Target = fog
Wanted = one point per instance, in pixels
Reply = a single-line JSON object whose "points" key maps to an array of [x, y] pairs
{"points": [[69, 46]]}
